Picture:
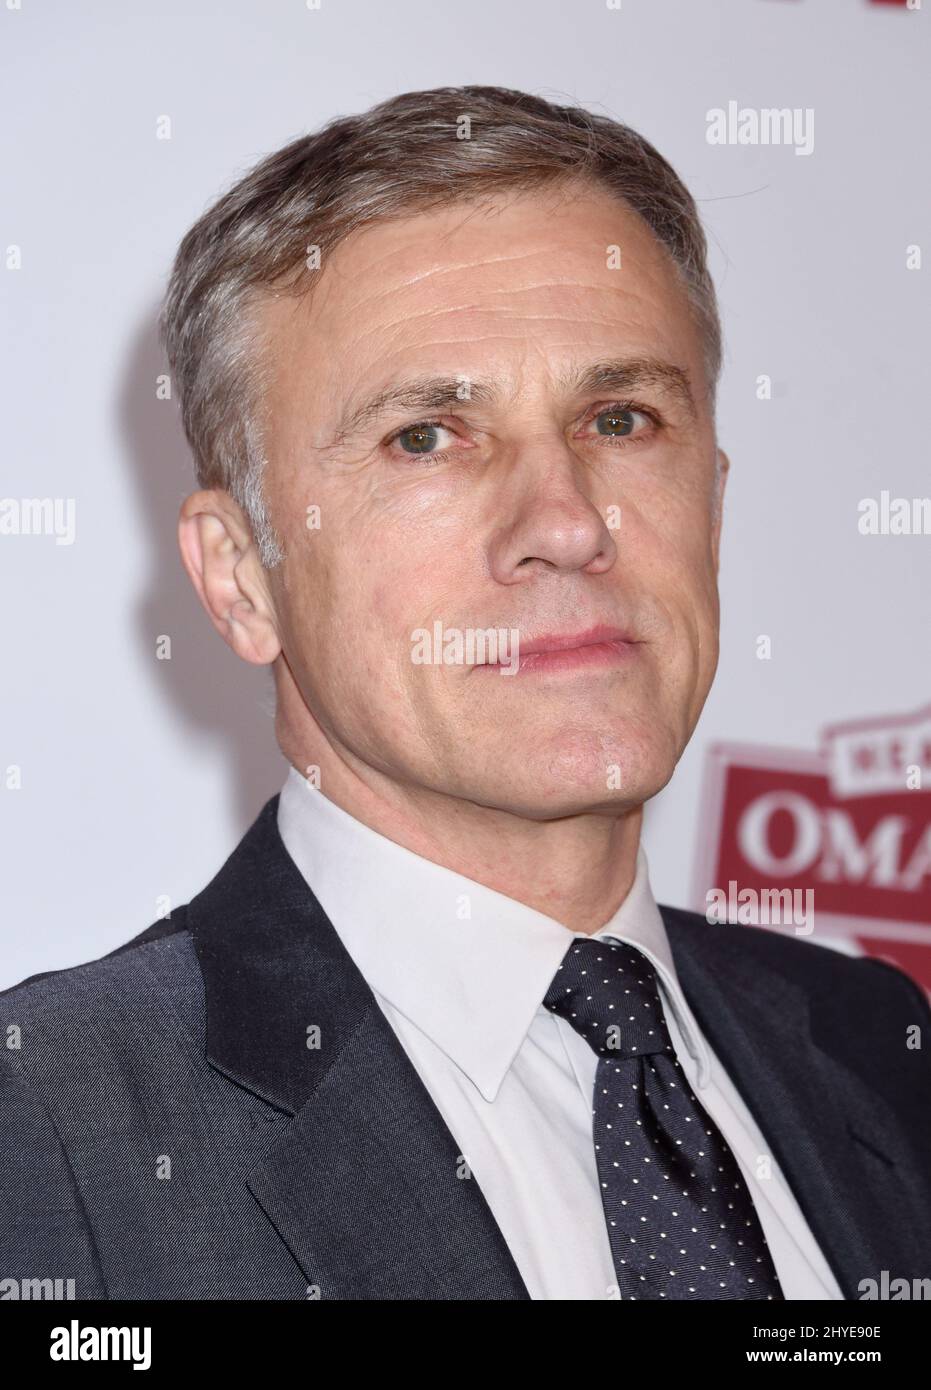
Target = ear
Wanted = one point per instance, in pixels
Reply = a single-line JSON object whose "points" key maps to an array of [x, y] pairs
{"points": [[720, 480], [222, 563]]}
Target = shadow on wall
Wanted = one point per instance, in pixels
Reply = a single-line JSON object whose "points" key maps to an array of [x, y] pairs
{"points": [[215, 695]]}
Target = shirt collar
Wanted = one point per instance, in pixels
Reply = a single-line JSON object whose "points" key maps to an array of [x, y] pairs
{"points": [[465, 964]]}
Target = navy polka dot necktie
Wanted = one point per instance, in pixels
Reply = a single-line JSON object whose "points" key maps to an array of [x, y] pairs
{"points": [[681, 1221]]}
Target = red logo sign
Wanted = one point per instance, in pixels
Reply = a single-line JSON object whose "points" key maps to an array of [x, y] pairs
{"points": [[846, 831]]}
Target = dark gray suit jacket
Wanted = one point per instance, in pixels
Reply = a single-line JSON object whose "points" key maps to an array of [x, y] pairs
{"points": [[299, 1172]]}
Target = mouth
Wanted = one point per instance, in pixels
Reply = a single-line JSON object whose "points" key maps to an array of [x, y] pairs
{"points": [[600, 646]]}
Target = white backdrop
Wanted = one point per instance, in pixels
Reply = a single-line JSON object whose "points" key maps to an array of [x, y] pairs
{"points": [[139, 775]]}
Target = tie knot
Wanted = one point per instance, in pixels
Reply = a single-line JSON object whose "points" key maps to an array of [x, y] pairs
{"points": [[607, 990]]}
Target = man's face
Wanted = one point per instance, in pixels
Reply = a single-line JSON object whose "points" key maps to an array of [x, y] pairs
{"points": [[534, 500]]}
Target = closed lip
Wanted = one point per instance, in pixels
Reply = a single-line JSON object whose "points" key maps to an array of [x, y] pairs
{"points": [[602, 637], [564, 641]]}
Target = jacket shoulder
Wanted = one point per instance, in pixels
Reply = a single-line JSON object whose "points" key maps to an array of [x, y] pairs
{"points": [[806, 962], [864, 1011], [97, 1012], [47, 985], [73, 1043]]}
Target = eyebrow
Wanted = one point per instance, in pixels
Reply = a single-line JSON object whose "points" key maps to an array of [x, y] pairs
{"points": [[620, 377]]}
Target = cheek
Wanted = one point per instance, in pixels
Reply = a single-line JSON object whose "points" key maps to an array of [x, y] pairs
{"points": [[389, 612], [683, 591], [417, 586], [391, 598]]}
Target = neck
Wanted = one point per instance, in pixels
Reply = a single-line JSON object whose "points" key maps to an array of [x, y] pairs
{"points": [[577, 869]]}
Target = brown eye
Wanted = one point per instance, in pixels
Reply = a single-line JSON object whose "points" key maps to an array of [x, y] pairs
{"points": [[616, 422]]}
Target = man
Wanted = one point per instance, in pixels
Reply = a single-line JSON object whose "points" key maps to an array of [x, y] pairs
{"points": [[448, 372]]}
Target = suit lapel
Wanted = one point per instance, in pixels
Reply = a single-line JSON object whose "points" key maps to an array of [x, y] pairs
{"points": [[365, 1186], [837, 1141]]}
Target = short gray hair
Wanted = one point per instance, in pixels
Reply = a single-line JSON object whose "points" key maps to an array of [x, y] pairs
{"points": [[414, 152]]}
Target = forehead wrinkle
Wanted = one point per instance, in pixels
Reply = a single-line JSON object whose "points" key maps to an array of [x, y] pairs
{"points": [[469, 266], [439, 227], [481, 334], [605, 287], [437, 311], [391, 255], [632, 298], [447, 268]]}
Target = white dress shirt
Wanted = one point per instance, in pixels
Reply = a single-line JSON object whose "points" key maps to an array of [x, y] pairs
{"points": [[460, 972]]}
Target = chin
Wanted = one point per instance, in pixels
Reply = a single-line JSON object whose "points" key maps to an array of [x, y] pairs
{"points": [[577, 771]]}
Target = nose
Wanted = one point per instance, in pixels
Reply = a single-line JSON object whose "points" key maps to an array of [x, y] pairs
{"points": [[550, 524]]}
